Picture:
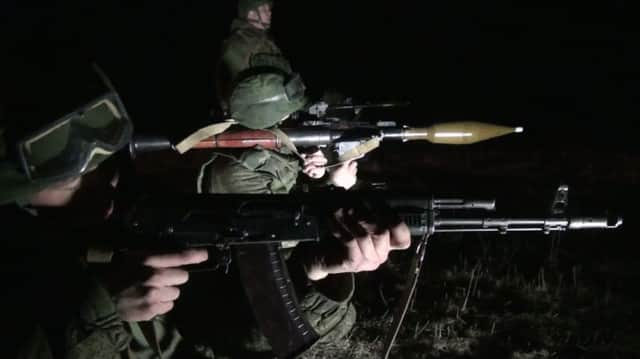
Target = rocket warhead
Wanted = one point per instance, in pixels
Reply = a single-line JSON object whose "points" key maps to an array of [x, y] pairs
{"points": [[459, 133]]}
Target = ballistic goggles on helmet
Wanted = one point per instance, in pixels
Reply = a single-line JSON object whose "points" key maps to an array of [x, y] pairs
{"points": [[77, 142]]}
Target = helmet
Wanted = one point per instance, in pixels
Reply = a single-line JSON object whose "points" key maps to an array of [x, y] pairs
{"points": [[244, 6], [265, 99], [63, 128]]}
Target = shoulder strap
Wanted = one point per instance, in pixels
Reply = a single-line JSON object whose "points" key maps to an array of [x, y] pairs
{"points": [[205, 132]]}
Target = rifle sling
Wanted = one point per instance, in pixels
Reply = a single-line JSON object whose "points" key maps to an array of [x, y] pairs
{"points": [[271, 294], [361, 149], [403, 308]]}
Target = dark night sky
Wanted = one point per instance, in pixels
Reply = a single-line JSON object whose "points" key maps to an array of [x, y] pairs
{"points": [[549, 65], [568, 71], [565, 70]]}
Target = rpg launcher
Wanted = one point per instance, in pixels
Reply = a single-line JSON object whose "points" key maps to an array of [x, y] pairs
{"points": [[249, 230], [348, 140]]}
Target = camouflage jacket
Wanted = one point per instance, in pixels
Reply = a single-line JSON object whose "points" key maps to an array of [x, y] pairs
{"points": [[54, 306], [326, 304], [250, 171], [246, 47]]}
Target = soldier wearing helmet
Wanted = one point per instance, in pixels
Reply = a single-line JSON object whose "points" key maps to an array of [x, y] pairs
{"points": [[58, 135], [260, 100], [249, 45], [248, 52], [264, 100], [59, 131], [258, 89]]}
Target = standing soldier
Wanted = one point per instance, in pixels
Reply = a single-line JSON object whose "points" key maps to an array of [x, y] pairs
{"points": [[262, 100], [258, 89], [251, 71], [248, 46]]}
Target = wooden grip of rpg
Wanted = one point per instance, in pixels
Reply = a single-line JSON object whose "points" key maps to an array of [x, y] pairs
{"points": [[241, 139]]}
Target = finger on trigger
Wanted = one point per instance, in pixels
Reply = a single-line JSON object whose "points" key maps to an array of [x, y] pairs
{"points": [[167, 277], [160, 308], [169, 260], [161, 294]]}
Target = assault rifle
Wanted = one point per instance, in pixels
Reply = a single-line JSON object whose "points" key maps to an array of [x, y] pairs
{"points": [[250, 229]]}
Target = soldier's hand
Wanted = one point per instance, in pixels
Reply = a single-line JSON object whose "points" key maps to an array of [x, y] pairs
{"points": [[314, 164], [363, 245], [345, 175], [153, 286]]}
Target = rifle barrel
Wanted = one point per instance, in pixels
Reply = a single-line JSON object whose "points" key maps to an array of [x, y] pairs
{"points": [[527, 224], [419, 224]]}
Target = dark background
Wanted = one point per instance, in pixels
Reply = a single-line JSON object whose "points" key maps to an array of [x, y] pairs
{"points": [[566, 71], [562, 65]]}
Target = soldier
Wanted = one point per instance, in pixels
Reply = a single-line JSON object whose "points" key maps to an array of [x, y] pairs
{"points": [[58, 135], [58, 175], [264, 100], [250, 50], [248, 46]]}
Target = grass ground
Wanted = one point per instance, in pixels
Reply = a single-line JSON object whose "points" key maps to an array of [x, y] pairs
{"points": [[521, 297]]}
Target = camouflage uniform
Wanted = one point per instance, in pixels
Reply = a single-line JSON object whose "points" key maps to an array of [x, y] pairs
{"points": [[247, 74], [58, 307], [52, 301], [246, 47], [327, 305]]}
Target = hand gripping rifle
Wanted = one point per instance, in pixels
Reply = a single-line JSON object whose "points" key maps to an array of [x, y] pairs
{"points": [[426, 219], [249, 229]]}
